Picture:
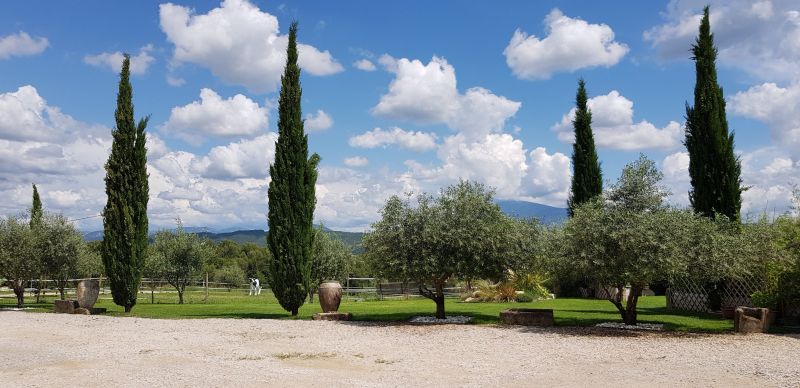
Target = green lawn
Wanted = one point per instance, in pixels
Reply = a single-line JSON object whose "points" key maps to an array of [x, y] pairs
{"points": [[236, 304]]}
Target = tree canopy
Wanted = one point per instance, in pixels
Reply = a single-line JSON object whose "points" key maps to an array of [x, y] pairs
{"points": [[587, 177], [462, 233], [291, 193], [714, 169], [180, 257], [125, 223]]}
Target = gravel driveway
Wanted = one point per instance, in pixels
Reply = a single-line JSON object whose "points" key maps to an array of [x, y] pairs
{"points": [[57, 350]]}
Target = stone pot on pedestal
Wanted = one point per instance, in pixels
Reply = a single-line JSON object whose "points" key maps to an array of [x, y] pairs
{"points": [[86, 293], [330, 296]]}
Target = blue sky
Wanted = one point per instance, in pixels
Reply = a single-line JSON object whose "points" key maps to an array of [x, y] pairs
{"points": [[400, 96]]}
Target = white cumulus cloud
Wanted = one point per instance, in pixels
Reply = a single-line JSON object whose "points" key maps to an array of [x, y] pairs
{"points": [[319, 121], [675, 167], [761, 38], [215, 116], [240, 159], [614, 128], [428, 94], [364, 64], [21, 44], [775, 106], [570, 44], [356, 161], [239, 43], [415, 141], [548, 177], [497, 160], [139, 62]]}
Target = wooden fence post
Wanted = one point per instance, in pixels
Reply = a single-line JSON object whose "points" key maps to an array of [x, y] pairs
{"points": [[206, 287]]}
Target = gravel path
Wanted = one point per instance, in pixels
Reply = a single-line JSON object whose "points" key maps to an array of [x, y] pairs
{"points": [[56, 350]]}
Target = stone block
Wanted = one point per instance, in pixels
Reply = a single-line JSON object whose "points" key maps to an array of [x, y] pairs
{"points": [[86, 292], [527, 317], [337, 316], [97, 310], [751, 320], [65, 306]]}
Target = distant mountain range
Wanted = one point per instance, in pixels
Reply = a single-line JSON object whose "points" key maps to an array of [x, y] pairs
{"points": [[517, 209], [255, 236], [526, 210]]}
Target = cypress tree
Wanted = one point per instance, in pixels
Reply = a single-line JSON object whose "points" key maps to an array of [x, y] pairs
{"points": [[36, 209], [125, 221], [587, 177], [291, 193], [713, 168]]}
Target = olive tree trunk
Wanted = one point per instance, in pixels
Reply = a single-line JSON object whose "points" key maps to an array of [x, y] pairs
{"points": [[437, 296], [628, 311], [19, 291]]}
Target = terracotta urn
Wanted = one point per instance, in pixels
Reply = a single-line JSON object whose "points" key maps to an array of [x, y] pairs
{"points": [[330, 296], [86, 293]]}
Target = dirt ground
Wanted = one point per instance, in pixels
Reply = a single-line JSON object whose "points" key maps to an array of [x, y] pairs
{"points": [[45, 350]]}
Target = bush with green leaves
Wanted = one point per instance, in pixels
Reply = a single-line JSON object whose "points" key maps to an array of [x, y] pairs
{"points": [[533, 283], [231, 275], [525, 298]]}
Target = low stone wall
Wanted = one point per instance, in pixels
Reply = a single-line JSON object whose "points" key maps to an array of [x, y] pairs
{"points": [[527, 317]]}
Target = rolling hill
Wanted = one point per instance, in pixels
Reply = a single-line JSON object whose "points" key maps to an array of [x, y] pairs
{"points": [[517, 209], [525, 210]]}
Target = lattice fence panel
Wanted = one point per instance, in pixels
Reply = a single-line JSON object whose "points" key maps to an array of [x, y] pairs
{"points": [[737, 292], [687, 295]]}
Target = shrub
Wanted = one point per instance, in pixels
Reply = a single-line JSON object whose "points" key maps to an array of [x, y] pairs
{"points": [[525, 298], [500, 292], [231, 275], [532, 283], [765, 299]]}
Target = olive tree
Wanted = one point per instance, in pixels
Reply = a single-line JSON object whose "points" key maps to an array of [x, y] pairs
{"points": [[60, 247], [231, 275], [632, 237], [622, 247], [462, 233], [154, 270], [183, 255], [638, 188], [329, 260], [18, 259]]}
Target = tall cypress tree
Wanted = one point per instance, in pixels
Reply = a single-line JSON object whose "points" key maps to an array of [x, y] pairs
{"points": [[36, 209], [291, 193], [125, 221], [587, 177], [714, 170]]}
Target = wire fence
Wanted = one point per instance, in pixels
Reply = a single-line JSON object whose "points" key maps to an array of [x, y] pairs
{"points": [[354, 288], [359, 288], [44, 287]]}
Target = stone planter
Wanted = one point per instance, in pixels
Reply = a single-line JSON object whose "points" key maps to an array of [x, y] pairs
{"points": [[330, 296], [527, 317], [87, 292], [751, 320]]}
